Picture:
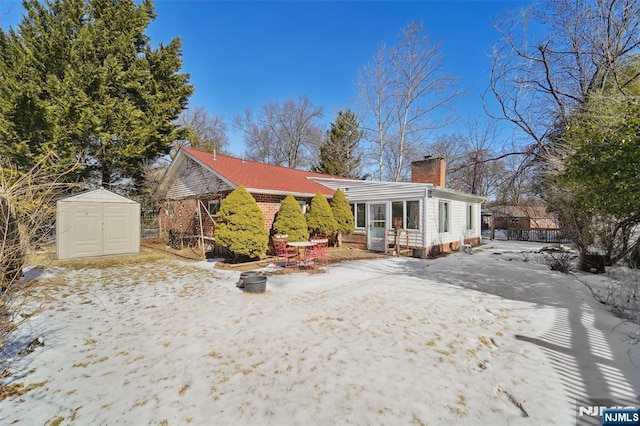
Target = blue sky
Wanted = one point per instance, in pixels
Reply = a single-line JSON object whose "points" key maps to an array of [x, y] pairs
{"points": [[243, 54]]}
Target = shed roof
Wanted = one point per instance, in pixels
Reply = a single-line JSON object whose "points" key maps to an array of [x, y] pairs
{"points": [[99, 195]]}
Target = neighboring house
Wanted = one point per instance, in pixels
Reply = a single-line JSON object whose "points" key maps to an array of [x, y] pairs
{"points": [[436, 219], [522, 217]]}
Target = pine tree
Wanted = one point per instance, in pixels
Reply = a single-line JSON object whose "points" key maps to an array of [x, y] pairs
{"points": [[240, 225], [339, 153], [290, 221], [80, 78], [342, 214], [320, 217]]}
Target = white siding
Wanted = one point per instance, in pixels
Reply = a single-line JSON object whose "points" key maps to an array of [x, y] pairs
{"points": [[191, 179], [428, 234], [457, 222]]}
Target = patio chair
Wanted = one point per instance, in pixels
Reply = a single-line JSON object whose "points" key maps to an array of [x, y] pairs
{"points": [[318, 252], [282, 252]]}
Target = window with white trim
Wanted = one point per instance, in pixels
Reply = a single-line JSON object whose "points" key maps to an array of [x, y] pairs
{"points": [[359, 211], [469, 216], [406, 213], [444, 212], [413, 215]]}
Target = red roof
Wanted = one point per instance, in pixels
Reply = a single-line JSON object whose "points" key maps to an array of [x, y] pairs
{"points": [[257, 177]]}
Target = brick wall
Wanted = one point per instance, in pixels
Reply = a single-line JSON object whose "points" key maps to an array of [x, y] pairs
{"points": [[358, 241], [269, 204], [449, 247], [179, 216], [429, 170], [185, 219]]}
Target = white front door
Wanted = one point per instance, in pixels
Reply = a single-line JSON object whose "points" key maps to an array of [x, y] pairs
{"points": [[377, 226]]}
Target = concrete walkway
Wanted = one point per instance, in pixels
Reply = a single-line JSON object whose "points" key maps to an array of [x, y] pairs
{"points": [[587, 345]]}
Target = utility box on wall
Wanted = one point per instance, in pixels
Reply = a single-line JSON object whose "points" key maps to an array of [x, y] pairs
{"points": [[97, 223]]}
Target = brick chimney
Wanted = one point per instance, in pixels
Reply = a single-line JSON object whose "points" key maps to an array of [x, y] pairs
{"points": [[429, 170]]}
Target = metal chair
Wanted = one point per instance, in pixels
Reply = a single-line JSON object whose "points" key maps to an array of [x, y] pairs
{"points": [[317, 253], [282, 252]]}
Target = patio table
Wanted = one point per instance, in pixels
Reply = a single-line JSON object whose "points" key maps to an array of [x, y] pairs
{"points": [[300, 245]]}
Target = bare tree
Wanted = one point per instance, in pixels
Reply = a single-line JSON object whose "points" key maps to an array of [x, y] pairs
{"points": [[27, 212], [473, 164], [284, 134], [517, 186], [376, 102], [203, 131], [578, 47], [399, 91]]}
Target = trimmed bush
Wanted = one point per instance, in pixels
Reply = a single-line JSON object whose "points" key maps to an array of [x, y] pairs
{"points": [[342, 213], [290, 220], [240, 225], [320, 217]]}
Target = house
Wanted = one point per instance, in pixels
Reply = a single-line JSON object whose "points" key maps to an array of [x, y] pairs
{"points": [[521, 217], [432, 217], [197, 181]]}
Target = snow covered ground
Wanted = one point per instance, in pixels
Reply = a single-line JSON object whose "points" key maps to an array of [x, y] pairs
{"points": [[369, 342]]}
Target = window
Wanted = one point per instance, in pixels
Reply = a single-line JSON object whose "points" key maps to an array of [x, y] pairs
{"points": [[470, 216], [303, 206], [444, 216], [406, 213], [359, 214], [169, 211], [397, 214], [413, 214], [213, 207]]}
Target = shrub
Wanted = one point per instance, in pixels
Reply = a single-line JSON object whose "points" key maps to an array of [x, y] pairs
{"points": [[561, 261], [240, 225], [342, 213], [290, 220], [320, 217]]}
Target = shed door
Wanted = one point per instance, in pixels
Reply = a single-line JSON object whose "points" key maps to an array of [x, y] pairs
{"points": [[116, 229], [377, 226], [86, 229]]}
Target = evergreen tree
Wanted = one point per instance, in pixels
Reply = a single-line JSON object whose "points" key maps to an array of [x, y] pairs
{"points": [[342, 213], [320, 217], [290, 221], [339, 153], [80, 78], [240, 225]]}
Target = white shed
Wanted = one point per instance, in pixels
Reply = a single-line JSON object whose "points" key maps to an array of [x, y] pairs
{"points": [[97, 223]]}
